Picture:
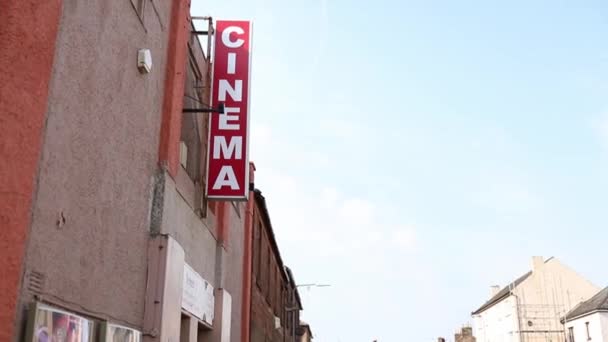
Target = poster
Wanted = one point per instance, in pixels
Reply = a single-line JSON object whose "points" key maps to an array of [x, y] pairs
{"points": [[54, 325], [117, 333]]}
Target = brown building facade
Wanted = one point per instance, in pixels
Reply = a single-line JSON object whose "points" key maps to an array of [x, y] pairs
{"points": [[464, 335], [276, 304], [304, 332], [105, 224]]}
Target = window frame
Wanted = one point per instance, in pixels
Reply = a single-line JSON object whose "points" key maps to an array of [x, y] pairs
{"points": [[257, 250], [194, 133], [571, 334]]}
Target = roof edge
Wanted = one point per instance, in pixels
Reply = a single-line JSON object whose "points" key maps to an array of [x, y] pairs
{"points": [[589, 313], [490, 305]]}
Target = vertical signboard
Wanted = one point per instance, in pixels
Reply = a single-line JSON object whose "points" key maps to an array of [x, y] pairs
{"points": [[227, 174]]}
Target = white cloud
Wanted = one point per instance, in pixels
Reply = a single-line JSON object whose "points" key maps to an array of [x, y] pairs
{"points": [[337, 226]]}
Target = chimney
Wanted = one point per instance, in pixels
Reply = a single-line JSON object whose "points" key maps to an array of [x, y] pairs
{"points": [[537, 263], [494, 290]]}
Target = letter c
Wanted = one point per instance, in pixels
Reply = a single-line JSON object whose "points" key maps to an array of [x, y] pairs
{"points": [[226, 37]]}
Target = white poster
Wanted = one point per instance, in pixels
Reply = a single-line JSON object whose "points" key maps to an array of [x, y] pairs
{"points": [[197, 296]]}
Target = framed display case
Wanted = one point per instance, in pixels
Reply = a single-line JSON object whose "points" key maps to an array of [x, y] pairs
{"points": [[115, 333], [50, 324]]}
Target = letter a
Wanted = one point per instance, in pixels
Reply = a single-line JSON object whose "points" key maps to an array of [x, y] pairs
{"points": [[226, 177]]}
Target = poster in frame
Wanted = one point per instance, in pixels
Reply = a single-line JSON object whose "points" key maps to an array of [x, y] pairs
{"points": [[116, 333], [50, 324]]}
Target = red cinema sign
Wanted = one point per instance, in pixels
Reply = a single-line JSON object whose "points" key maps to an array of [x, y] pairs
{"points": [[228, 168]]}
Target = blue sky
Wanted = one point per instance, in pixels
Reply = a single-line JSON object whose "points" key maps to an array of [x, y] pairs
{"points": [[413, 153]]}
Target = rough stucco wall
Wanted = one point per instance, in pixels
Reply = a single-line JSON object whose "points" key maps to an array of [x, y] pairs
{"points": [[99, 157], [26, 58], [202, 251], [180, 222]]}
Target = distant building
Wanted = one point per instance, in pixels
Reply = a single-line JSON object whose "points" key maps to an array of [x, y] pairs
{"points": [[304, 332], [529, 309], [276, 304], [589, 320], [465, 335]]}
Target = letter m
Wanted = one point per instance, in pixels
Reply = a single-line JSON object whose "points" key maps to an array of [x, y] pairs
{"points": [[221, 146]]}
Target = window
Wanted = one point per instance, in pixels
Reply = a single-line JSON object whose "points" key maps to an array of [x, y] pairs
{"points": [[571, 334], [192, 131], [256, 251], [267, 274], [194, 135], [263, 256], [205, 334], [290, 309], [270, 287], [283, 305], [277, 293], [184, 328], [587, 328], [183, 154], [296, 321]]}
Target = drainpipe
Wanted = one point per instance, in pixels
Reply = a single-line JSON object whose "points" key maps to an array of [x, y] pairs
{"points": [[518, 316], [247, 261]]}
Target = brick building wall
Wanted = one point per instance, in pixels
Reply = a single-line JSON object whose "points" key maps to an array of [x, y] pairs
{"points": [[107, 182], [275, 301], [90, 216]]}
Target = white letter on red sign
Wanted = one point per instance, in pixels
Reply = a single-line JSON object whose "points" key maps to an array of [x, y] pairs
{"points": [[231, 63], [236, 93], [228, 159], [221, 146], [226, 177], [225, 119], [226, 37]]}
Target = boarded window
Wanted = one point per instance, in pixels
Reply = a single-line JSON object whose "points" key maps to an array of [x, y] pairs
{"points": [[267, 274], [263, 256], [193, 131], [256, 251]]}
